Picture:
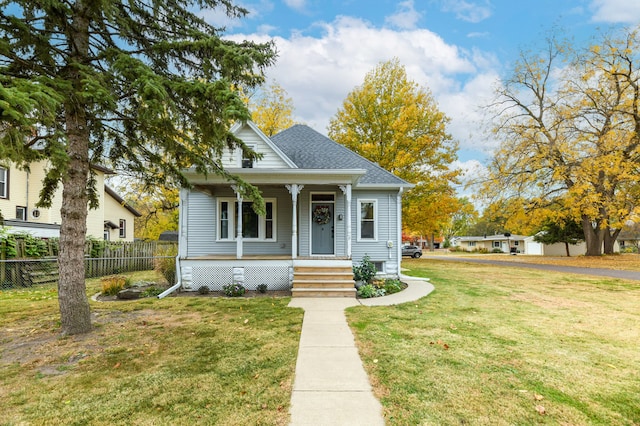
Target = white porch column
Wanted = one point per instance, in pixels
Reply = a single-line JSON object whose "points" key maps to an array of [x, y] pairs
{"points": [[239, 224], [399, 221], [346, 189], [294, 190]]}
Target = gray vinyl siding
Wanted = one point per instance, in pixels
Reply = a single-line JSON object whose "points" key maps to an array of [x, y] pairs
{"points": [[386, 229], [202, 225], [270, 159]]}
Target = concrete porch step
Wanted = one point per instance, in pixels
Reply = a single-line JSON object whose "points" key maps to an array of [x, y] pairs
{"points": [[323, 280], [329, 276], [323, 292], [323, 283]]}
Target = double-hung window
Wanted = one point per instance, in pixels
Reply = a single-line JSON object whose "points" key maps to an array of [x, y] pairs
{"points": [[367, 218], [123, 228], [4, 183], [254, 227]]}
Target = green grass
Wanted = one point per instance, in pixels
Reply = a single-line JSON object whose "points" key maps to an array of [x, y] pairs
{"points": [[495, 346], [178, 360]]}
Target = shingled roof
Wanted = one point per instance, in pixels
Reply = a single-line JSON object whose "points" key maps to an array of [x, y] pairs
{"points": [[309, 149]]}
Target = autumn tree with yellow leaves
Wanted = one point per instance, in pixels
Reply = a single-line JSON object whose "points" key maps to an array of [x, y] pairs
{"points": [[569, 125], [271, 108], [394, 122]]}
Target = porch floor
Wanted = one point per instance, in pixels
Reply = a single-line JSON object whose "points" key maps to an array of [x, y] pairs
{"points": [[264, 257]]}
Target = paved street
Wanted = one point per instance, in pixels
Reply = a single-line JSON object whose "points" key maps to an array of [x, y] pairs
{"points": [[611, 273]]}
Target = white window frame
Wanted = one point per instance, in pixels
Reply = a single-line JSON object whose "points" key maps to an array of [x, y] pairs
{"points": [[4, 179], [122, 229], [471, 243], [497, 244], [262, 221], [242, 158], [23, 213], [375, 219]]}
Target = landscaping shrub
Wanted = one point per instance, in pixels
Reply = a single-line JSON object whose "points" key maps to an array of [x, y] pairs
{"points": [[365, 271], [369, 290], [233, 290], [112, 284], [152, 291], [392, 286], [262, 288], [203, 290]]}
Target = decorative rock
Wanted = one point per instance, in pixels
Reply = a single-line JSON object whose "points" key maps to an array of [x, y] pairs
{"points": [[129, 293]]}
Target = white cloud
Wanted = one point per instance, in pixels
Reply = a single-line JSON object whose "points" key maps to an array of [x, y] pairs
{"points": [[319, 72], [406, 17], [470, 11], [298, 5], [616, 11]]}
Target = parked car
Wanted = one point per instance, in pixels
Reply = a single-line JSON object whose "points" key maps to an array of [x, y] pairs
{"points": [[413, 251]]}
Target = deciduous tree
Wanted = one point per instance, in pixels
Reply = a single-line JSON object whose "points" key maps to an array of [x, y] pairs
{"points": [[271, 108], [569, 123], [146, 85], [394, 122]]}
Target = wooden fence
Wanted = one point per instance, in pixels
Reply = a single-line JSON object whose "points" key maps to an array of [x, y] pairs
{"points": [[101, 258]]}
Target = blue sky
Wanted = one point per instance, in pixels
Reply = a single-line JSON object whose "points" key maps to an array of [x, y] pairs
{"points": [[458, 49]]}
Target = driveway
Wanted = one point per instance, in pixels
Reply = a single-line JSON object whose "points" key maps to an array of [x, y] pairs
{"points": [[610, 273]]}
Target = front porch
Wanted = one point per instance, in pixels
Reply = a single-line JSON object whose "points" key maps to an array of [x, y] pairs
{"points": [[316, 276]]}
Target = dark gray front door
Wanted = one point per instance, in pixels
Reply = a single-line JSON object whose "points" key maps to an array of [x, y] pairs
{"points": [[322, 228]]}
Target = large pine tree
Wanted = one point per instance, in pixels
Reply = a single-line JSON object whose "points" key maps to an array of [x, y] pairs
{"points": [[140, 84]]}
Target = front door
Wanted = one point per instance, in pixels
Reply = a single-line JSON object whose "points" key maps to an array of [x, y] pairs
{"points": [[322, 224]]}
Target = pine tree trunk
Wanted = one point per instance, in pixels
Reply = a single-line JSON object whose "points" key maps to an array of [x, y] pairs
{"points": [[592, 237], [75, 314]]}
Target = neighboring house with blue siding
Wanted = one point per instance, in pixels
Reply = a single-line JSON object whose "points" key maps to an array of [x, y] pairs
{"points": [[326, 208]]}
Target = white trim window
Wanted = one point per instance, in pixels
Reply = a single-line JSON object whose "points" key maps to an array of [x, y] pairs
{"points": [[123, 228], [245, 162], [367, 220], [21, 213], [254, 227], [4, 183]]}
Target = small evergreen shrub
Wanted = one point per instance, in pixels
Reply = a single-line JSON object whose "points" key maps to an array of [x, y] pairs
{"points": [[233, 290], [203, 290], [262, 288]]}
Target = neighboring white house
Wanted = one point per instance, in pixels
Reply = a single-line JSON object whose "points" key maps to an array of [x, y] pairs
{"points": [[19, 193], [520, 244], [558, 249], [326, 208], [506, 243]]}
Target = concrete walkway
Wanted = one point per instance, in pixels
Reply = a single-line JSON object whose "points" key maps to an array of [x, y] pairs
{"points": [[331, 386]]}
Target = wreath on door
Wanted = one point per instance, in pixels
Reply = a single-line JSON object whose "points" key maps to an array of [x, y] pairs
{"points": [[322, 215]]}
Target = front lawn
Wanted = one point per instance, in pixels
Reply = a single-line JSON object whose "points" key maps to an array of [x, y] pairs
{"points": [[502, 346], [178, 360]]}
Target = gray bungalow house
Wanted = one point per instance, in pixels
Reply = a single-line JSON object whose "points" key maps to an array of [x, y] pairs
{"points": [[326, 208]]}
